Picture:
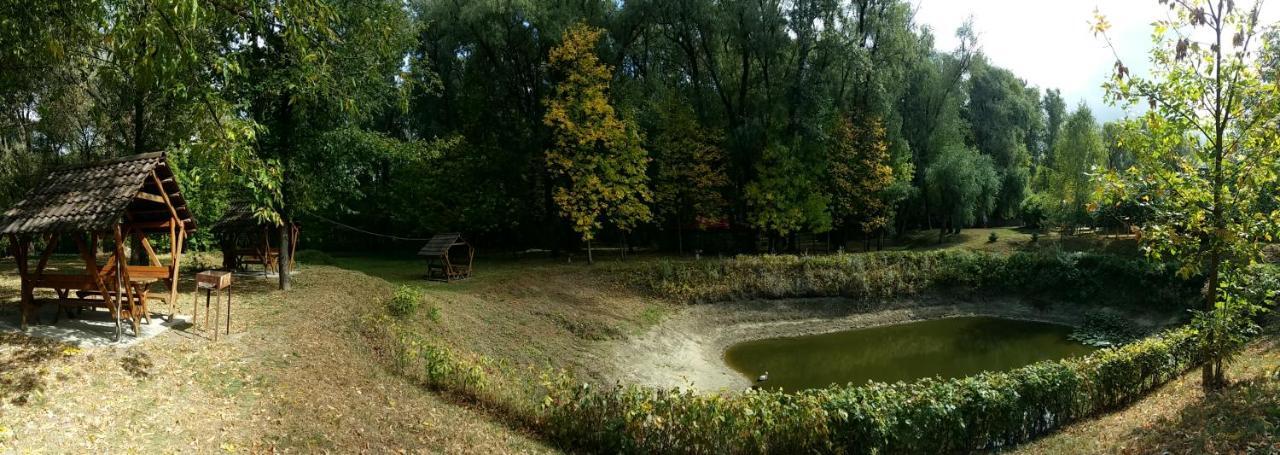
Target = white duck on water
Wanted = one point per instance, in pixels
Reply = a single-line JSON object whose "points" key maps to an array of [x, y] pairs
{"points": [[764, 377]]}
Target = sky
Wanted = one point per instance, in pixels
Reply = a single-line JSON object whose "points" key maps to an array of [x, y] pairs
{"points": [[1049, 44]]}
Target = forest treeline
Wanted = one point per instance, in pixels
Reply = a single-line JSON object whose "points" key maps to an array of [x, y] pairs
{"points": [[543, 123]]}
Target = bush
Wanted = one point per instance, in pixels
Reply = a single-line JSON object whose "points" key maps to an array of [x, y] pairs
{"points": [[1034, 211], [993, 238], [873, 277], [405, 301]]}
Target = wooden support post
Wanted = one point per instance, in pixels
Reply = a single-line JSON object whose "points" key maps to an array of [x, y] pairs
{"points": [[152, 259], [175, 269], [19, 245], [50, 244], [122, 269]]}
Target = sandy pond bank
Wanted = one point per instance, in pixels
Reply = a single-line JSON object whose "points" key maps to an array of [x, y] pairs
{"points": [[687, 349]]}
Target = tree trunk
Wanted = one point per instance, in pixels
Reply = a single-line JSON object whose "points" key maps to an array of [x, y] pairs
{"points": [[590, 260], [679, 239], [286, 240]]}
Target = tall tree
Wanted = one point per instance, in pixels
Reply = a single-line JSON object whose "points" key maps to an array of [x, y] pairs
{"points": [[1055, 112], [962, 184], [689, 175], [859, 172], [1208, 152], [311, 70], [597, 155], [785, 198], [1002, 117], [1078, 156]]}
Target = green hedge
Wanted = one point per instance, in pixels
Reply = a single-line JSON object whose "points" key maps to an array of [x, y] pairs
{"points": [[1078, 277], [986, 411]]}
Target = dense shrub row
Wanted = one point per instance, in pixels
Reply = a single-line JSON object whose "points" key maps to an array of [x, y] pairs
{"points": [[1081, 277], [928, 416], [986, 411]]}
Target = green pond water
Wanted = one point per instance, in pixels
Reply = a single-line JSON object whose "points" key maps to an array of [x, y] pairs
{"points": [[951, 347]]}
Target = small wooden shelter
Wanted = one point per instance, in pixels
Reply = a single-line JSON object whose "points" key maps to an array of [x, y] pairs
{"points": [[128, 198], [246, 239], [441, 264]]}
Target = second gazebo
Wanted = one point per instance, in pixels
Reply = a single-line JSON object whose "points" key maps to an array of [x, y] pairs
{"points": [[245, 239]]}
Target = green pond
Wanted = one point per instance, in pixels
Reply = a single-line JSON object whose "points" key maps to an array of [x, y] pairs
{"points": [[950, 347]]}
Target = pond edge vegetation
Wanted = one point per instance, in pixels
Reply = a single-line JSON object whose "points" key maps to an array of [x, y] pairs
{"points": [[989, 410]]}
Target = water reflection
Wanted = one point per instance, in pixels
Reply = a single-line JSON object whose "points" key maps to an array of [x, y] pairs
{"points": [[952, 347]]}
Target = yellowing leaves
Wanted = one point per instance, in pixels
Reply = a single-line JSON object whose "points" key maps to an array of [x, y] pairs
{"points": [[596, 156]]}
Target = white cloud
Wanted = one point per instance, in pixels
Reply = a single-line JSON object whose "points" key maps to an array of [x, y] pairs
{"points": [[1049, 43]]}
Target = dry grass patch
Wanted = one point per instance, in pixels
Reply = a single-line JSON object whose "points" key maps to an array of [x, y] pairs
{"points": [[1179, 419], [293, 375]]}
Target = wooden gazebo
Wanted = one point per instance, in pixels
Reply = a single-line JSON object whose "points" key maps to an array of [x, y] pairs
{"points": [[442, 265], [131, 198], [246, 239]]}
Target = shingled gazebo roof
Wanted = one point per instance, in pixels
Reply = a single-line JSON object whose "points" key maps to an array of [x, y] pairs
{"points": [[95, 197]]}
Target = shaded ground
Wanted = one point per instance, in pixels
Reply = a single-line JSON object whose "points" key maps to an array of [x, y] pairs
{"points": [[293, 375]]}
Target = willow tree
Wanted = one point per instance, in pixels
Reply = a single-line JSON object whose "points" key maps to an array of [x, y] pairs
{"points": [[962, 185], [1207, 152], [596, 155]]}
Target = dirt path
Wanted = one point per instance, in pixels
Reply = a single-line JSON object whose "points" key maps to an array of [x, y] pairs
{"points": [[293, 377]]}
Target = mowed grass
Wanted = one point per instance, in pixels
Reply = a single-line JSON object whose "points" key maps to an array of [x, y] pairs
{"points": [[1010, 239]]}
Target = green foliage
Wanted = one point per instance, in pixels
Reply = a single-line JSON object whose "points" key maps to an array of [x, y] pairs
{"points": [[963, 185], [1034, 211], [689, 167], [405, 301], [986, 411], [1055, 110], [859, 173], [1004, 116], [993, 238], [1205, 154], [870, 279], [785, 196], [1078, 156]]}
